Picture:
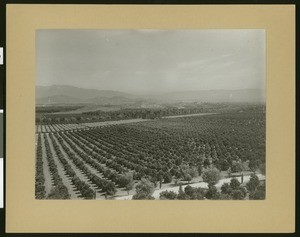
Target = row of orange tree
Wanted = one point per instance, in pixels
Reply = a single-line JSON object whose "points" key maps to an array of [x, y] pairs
{"points": [[40, 192], [59, 190]]}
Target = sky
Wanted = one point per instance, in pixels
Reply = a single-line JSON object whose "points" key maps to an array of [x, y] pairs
{"points": [[139, 61]]}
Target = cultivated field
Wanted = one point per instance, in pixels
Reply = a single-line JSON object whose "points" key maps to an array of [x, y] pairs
{"points": [[92, 160]]}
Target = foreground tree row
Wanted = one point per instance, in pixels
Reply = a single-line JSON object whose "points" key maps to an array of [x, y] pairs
{"points": [[234, 190]]}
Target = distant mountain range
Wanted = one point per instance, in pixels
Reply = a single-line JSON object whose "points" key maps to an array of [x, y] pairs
{"points": [[61, 94], [72, 91]]}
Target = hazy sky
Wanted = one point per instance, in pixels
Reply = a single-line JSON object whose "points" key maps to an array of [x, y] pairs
{"points": [[151, 60]]}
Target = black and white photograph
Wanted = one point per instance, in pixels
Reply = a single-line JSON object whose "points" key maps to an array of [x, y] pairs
{"points": [[150, 114]]}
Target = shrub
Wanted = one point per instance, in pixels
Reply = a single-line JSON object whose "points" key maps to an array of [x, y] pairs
{"points": [[59, 192], [239, 194], [212, 193], [259, 193], [170, 195], [234, 183], [226, 189], [194, 193], [253, 183]]}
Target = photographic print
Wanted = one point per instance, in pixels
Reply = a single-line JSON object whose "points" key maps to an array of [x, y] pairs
{"points": [[150, 114]]}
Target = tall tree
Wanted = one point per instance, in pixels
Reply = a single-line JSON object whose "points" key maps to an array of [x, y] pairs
{"points": [[211, 175], [126, 180], [144, 190]]}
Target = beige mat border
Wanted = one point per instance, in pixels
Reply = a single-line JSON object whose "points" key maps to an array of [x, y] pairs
{"points": [[275, 214]]}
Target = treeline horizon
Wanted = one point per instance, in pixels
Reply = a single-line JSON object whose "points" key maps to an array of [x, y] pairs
{"points": [[46, 115]]}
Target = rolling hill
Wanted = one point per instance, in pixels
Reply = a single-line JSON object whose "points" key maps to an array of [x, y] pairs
{"points": [[60, 94]]}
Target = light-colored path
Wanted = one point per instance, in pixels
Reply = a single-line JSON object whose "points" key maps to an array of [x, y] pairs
{"points": [[188, 115], [195, 185], [107, 123]]}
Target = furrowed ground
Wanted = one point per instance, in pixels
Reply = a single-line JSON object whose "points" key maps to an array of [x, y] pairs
{"points": [[90, 161]]}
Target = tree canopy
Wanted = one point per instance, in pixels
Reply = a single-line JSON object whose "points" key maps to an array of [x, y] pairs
{"points": [[144, 190], [211, 175], [126, 180]]}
